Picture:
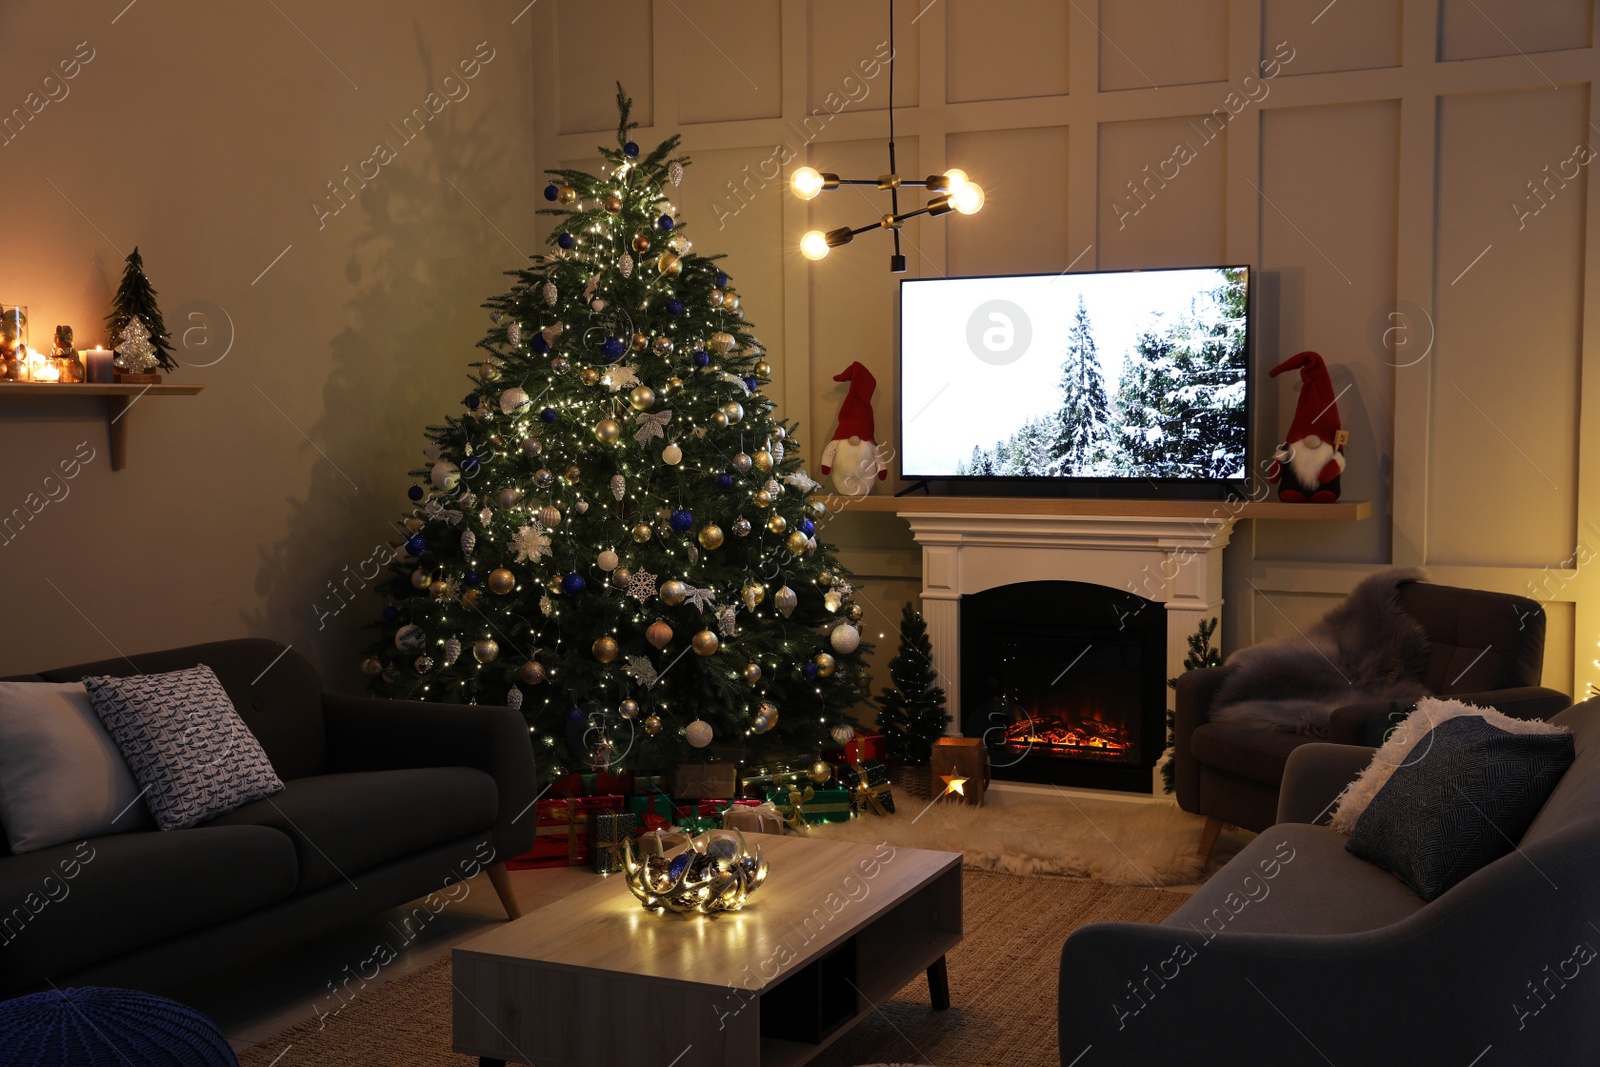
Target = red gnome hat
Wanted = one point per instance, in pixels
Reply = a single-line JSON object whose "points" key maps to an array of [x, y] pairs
{"points": [[1315, 412], [855, 414]]}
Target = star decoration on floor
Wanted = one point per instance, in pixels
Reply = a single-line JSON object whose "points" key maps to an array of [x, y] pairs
{"points": [[954, 783]]}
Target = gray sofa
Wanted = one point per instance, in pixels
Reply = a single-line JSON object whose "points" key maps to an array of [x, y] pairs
{"points": [[1299, 952], [385, 801]]}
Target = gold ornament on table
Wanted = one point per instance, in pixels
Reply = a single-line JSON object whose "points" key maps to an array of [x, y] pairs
{"points": [[502, 581], [705, 643], [710, 536], [605, 648], [716, 871]]}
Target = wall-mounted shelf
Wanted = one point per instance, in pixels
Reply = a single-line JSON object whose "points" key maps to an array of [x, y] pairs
{"points": [[119, 398], [1339, 511]]}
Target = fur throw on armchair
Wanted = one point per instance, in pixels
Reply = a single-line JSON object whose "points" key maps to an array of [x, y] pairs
{"points": [[1366, 649]]}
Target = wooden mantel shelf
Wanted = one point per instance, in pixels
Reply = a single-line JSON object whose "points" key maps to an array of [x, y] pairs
{"points": [[918, 504], [119, 398]]}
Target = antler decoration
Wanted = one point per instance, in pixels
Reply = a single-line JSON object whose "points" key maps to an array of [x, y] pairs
{"points": [[717, 871]]}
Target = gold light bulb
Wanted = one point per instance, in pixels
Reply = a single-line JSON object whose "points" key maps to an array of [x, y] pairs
{"points": [[814, 245], [806, 183]]}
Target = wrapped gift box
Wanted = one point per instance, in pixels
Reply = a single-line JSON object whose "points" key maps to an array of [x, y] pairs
{"points": [[657, 804], [609, 833], [861, 748], [753, 817], [816, 805], [650, 782], [599, 783], [697, 781], [562, 835], [869, 787], [773, 777]]}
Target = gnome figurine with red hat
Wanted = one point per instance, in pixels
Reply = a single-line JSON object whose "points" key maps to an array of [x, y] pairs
{"points": [[852, 457], [1307, 465]]}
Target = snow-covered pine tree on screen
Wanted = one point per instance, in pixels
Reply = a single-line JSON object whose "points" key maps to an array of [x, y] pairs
{"points": [[616, 535]]}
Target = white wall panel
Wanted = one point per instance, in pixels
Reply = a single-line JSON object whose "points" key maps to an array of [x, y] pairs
{"points": [[587, 73], [1470, 29], [978, 30], [1345, 35], [1161, 200], [1183, 44], [1023, 225]]}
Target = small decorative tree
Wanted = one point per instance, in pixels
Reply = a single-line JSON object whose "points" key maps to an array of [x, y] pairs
{"points": [[911, 713], [1200, 654], [136, 299]]}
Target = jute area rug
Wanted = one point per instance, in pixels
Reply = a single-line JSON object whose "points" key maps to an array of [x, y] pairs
{"points": [[1002, 992]]}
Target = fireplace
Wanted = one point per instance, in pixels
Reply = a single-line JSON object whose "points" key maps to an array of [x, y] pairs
{"points": [[1065, 682]]}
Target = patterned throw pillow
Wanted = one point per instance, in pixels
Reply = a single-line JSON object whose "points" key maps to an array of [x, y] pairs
{"points": [[185, 743], [1464, 804]]}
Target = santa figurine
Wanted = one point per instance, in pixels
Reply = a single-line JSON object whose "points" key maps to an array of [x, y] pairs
{"points": [[1307, 465], [853, 457]]}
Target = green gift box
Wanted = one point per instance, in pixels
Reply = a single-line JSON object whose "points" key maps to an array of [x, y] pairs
{"points": [[654, 804], [869, 787], [821, 805], [608, 833]]}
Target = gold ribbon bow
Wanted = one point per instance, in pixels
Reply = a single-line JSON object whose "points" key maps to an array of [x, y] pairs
{"points": [[866, 795], [794, 816]]}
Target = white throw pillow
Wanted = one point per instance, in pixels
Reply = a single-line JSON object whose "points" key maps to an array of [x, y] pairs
{"points": [[1400, 750], [62, 777]]}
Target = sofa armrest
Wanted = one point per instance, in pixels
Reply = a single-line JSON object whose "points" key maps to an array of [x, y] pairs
{"points": [[371, 734], [1313, 778], [1196, 689], [1365, 724], [1523, 702]]}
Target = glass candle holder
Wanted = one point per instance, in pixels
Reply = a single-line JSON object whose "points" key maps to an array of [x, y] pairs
{"points": [[14, 343]]}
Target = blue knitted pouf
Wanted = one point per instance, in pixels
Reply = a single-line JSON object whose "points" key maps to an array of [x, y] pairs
{"points": [[92, 1026]]}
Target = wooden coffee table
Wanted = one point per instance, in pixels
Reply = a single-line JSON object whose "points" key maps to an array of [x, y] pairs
{"points": [[595, 980]]}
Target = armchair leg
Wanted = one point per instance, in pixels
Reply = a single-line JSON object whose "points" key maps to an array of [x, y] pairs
{"points": [[500, 878], [1208, 837]]}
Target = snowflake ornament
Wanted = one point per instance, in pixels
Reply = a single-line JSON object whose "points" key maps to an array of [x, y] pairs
{"points": [[801, 480], [531, 544], [642, 586], [641, 670]]}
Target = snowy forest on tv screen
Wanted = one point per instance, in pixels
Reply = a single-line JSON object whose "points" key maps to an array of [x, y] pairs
{"points": [[1177, 409]]}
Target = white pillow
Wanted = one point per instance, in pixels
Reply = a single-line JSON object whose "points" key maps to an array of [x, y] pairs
{"points": [[62, 777], [1400, 750]]}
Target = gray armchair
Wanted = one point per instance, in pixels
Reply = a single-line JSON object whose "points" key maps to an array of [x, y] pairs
{"points": [[1485, 648], [1298, 951]]}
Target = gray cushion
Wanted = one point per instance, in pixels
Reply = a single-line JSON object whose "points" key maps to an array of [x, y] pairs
{"points": [[62, 777], [342, 824], [186, 744], [1462, 805]]}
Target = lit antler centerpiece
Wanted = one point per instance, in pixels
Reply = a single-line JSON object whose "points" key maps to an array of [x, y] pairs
{"points": [[716, 871]]}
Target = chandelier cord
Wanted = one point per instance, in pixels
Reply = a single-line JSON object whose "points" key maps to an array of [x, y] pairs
{"points": [[894, 193]]}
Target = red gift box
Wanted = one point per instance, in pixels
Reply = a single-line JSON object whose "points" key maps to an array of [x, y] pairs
{"points": [[562, 835], [598, 783], [862, 747]]}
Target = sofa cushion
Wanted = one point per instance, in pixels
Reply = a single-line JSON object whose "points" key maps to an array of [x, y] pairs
{"points": [[185, 742], [1577, 795], [1295, 878], [70, 905], [1465, 803], [341, 824], [62, 777], [1245, 749]]}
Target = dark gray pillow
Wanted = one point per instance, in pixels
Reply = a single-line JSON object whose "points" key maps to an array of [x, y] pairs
{"points": [[185, 743], [1466, 803]]}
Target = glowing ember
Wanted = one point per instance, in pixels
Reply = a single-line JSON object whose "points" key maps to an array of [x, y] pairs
{"points": [[1085, 737]]}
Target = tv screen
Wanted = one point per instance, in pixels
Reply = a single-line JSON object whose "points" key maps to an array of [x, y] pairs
{"points": [[1114, 378]]}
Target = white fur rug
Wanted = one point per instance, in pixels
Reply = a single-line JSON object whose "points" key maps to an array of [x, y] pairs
{"points": [[1119, 843]]}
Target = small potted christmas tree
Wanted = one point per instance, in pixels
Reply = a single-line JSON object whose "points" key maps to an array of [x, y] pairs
{"points": [[138, 333], [911, 712]]}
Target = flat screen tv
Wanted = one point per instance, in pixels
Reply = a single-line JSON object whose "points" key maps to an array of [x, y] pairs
{"points": [[1107, 383]]}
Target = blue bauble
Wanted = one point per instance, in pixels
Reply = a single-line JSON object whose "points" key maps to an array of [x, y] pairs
{"points": [[683, 520], [472, 578], [573, 584], [809, 670], [416, 544], [665, 222], [539, 344], [548, 415], [722, 280], [808, 527], [702, 359], [415, 492], [674, 307], [469, 467], [566, 240], [391, 613], [613, 348], [724, 480], [551, 192], [575, 715], [752, 383], [472, 401], [679, 864], [630, 150]]}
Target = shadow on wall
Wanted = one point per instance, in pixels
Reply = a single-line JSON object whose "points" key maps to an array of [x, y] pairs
{"points": [[414, 267]]}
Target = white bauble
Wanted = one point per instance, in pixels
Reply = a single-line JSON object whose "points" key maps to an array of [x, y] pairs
{"points": [[698, 733], [408, 638], [431, 450], [845, 638], [513, 400], [672, 455], [445, 475], [607, 560]]}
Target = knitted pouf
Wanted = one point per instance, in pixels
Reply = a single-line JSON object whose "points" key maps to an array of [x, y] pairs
{"points": [[92, 1026]]}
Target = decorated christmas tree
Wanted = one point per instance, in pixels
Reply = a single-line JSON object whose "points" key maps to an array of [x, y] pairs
{"points": [[135, 304], [616, 535], [911, 713], [1200, 654]]}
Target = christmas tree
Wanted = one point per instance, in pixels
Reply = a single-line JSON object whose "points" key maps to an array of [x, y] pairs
{"points": [[911, 714], [1083, 434], [136, 299], [1200, 654], [616, 535]]}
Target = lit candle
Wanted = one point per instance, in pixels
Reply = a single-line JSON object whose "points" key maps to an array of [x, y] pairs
{"points": [[46, 371], [98, 362]]}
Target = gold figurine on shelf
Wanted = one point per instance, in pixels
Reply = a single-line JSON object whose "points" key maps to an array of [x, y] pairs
{"points": [[69, 368]]}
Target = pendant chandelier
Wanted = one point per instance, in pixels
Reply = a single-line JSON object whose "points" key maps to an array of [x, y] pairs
{"points": [[952, 191]]}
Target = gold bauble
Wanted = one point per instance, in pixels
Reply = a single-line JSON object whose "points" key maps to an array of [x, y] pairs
{"points": [[719, 419], [777, 523], [821, 771], [589, 376], [604, 648], [854, 613], [752, 673], [659, 634], [766, 718], [763, 461], [674, 383], [439, 589], [669, 264], [549, 517], [421, 579], [642, 397], [673, 592], [641, 242], [502, 581], [413, 525], [741, 527], [763, 369], [730, 299], [763, 498], [628, 709], [560, 364], [711, 536], [533, 672], [486, 650], [567, 195], [672, 455], [753, 594], [662, 346], [652, 725], [825, 665], [423, 664], [734, 410], [572, 474], [641, 533], [469, 599], [796, 543], [553, 584], [705, 643], [488, 371], [606, 431], [621, 577], [639, 342], [613, 203], [825, 578], [372, 666]]}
